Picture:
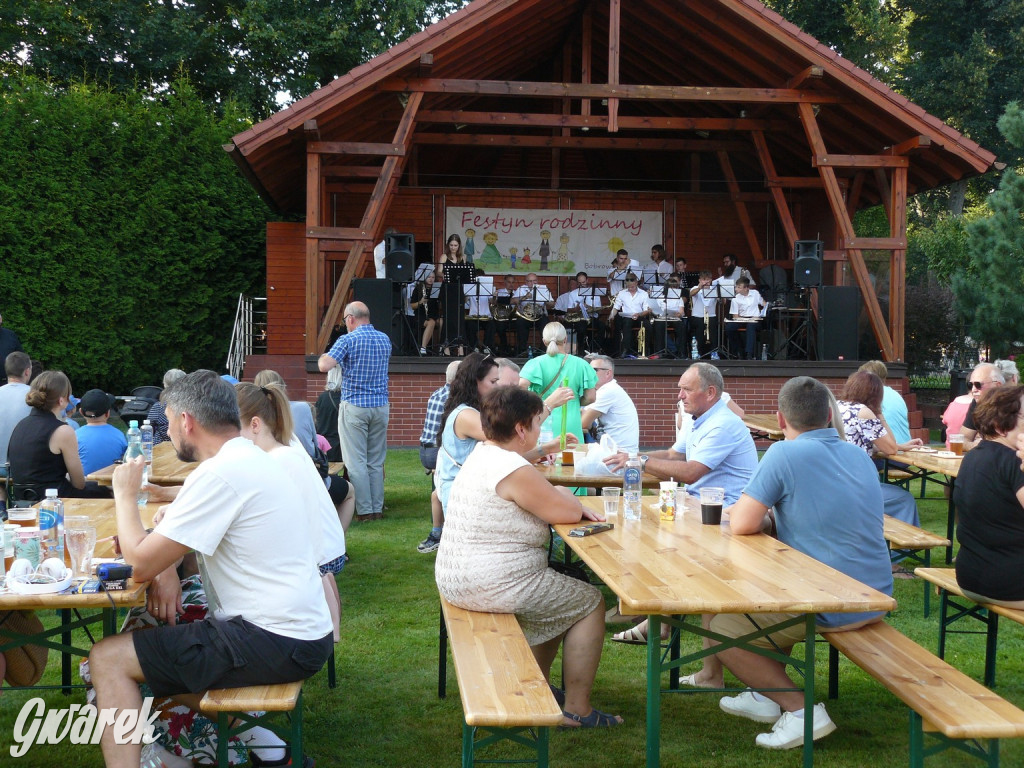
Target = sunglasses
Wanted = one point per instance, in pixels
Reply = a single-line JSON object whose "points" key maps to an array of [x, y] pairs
{"points": [[977, 384]]}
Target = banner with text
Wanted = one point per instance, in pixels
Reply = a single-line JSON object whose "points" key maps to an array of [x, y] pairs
{"points": [[552, 242]]}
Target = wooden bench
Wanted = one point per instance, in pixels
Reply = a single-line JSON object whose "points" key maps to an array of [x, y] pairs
{"points": [[915, 544], [233, 706], [504, 694], [952, 611], [953, 708]]}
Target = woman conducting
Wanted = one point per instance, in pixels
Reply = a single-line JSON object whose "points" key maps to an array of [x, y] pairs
{"points": [[494, 554], [989, 497], [545, 373]]}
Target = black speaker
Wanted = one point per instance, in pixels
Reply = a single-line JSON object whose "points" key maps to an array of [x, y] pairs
{"points": [[807, 257], [377, 296], [399, 262], [838, 322]]}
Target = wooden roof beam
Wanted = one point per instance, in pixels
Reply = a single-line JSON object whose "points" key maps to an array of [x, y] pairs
{"points": [[914, 144], [581, 142], [810, 73], [801, 182], [350, 171], [311, 130], [550, 120], [355, 148], [859, 161], [614, 45], [778, 196], [741, 207], [607, 91]]}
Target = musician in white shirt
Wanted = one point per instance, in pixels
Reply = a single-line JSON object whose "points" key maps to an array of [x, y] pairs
{"points": [[657, 272], [631, 307], [744, 315], [622, 265], [671, 308], [582, 302], [534, 299], [479, 296], [703, 321]]}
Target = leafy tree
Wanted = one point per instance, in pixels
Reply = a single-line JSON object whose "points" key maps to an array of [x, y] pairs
{"points": [[248, 51], [990, 293], [126, 233]]}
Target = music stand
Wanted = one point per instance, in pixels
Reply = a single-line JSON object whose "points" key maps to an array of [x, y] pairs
{"points": [[455, 276], [545, 296], [719, 290], [591, 308], [618, 276], [482, 286]]}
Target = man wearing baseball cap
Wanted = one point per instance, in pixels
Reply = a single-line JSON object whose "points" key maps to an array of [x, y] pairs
{"points": [[99, 444]]}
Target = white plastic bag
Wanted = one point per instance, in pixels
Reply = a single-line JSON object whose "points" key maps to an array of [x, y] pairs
{"points": [[596, 454]]}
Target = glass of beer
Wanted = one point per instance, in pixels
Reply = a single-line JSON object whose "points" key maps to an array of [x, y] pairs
{"points": [[26, 517], [711, 500], [956, 444]]}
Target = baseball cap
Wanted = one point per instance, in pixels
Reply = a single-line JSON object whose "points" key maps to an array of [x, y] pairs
{"points": [[95, 402]]}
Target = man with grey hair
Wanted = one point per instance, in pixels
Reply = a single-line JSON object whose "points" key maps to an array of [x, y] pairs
{"points": [[508, 372], [268, 622], [983, 378], [718, 450], [157, 414], [801, 478], [364, 410], [613, 406]]}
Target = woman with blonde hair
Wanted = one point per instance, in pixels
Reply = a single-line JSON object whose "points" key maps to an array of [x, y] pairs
{"points": [[557, 368]]}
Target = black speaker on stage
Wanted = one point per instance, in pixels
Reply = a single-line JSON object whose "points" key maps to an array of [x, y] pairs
{"points": [[377, 295], [838, 322], [807, 258], [399, 259]]}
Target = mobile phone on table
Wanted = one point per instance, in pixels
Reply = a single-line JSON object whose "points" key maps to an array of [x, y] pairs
{"points": [[591, 528]]}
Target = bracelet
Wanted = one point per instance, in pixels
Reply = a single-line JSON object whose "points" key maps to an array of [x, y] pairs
{"points": [[547, 408]]}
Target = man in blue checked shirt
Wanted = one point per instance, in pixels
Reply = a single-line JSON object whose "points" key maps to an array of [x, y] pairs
{"points": [[363, 353], [428, 454]]}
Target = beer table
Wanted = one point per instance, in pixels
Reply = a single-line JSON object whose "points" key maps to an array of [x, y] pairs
{"points": [[669, 571], [166, 469], [930, 466], [100, 607], [562, 474], [763, 426]]}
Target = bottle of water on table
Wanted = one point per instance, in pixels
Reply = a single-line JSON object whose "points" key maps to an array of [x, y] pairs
{"points": [[147, 441], [135, 449], [51, 525], [631, 488]]}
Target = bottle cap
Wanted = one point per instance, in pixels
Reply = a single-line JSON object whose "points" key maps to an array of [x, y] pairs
{"points": [[51, 493], [133, 424]]}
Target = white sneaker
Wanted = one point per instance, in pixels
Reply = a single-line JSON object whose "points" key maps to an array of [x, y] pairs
{"points": [[788, 732], [746, 705]]}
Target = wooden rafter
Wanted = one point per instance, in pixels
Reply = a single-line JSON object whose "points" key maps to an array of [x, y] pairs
{"points": [[354, 148], [898, 262], [373, 218], [741, 207], [582, 142], [627, 122], [614, 45], [845, 227], [859, 161], [605, 91], [778, 196]]}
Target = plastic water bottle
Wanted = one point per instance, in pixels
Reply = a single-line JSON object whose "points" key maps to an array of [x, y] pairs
{"points": [[135, 449], [147, 441], [631, 488], [51, 525], [694, 353], [764, 351]]}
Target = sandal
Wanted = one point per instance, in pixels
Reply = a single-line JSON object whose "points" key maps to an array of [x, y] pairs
{"points": [[596, 719], [691, 680], [631, 636]]}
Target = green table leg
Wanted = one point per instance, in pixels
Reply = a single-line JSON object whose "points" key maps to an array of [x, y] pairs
{"points": [[809, 624], [653, 691]]}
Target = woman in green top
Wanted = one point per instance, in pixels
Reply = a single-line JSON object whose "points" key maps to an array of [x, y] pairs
{"points": [[544, 374]]}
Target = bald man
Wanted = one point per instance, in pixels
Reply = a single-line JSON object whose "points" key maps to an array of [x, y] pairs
{"points": [[363, 353]]}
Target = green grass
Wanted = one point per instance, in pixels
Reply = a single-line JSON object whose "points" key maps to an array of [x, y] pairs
{"points": [[385, 710]]}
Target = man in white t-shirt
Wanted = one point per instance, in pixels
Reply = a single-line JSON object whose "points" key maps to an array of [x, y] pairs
{"points": [[268, 621], [613, 406]]}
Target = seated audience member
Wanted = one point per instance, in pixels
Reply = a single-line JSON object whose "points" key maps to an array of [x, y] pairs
{"points": [[613, 406], [989, 496], [44, 450], [983, 378], [13, 407], [800, 478], [894, 407], [954, 415], [304, 430], [237, 512], [494, 553], [860, 404], [1009, 370], [157, 417], [428, 454], [266, 420], [99, 444]]}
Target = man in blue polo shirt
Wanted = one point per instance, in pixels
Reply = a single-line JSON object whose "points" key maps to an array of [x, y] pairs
{"points": [[363, 413]]}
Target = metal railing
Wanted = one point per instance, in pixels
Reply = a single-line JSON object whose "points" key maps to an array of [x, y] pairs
{"points": [[249, 334]]}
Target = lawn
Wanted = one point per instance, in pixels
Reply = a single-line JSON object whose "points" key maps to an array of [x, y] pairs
{"points": [[385, 710]]}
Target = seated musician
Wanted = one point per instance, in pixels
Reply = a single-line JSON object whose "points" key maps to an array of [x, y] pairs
{"points": [[673, 313], [532, 302], [502, 311], [479, 296], [703, 320], [630, 310], [745, 314], [426, 302]]}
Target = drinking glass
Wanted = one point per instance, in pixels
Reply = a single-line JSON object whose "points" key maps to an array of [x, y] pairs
{"points": [[26, 517], [611, 496], [711, 500], [80, 540]]}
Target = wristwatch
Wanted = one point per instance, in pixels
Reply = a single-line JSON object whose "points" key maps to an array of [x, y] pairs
{"points": [[643, 461]]}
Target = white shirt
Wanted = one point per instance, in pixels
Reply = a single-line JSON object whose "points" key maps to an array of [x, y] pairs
{"points": [[748, 306], [632, 304], [325, 527], [702, 306], [238, 511], [670, 307], [662, 270], [524, 294], [378, 260], [617, 276], [618, 416], [478, 304]]}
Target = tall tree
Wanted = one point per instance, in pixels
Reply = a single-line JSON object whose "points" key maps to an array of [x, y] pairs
{"points": [[253, 52], [990, 293], [126, 233]]}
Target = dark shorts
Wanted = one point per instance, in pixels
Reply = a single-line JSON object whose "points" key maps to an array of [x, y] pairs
{"points": [[192, 658], [338, 489], [428, 456]]}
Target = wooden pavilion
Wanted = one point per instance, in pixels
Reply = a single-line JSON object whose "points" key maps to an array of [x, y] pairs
{"points": [[746, 134]]}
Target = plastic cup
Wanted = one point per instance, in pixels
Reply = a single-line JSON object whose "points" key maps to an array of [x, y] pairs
{"points": [[956, 444], [611, 496], [711, 500], [680, 499], [578, 457], [81, 543], [28, 544], [26, 517]]}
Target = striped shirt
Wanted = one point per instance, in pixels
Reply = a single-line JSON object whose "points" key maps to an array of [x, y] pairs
{"points": [[432, 421]]}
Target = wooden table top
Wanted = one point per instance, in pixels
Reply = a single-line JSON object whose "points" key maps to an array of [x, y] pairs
{"points": [[684, 567], [558, 474], [926, 460], [167, 468], [764, 423]]}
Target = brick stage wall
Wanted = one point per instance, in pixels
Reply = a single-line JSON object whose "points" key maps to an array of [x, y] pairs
{"points": [[652, 385]]}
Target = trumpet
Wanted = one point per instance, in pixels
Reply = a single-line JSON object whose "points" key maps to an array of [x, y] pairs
{"points": [[641, 341]]}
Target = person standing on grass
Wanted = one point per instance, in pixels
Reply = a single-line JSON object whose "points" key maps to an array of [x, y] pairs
{"points": [[237, 512], [363, 415], [801, 478]]}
